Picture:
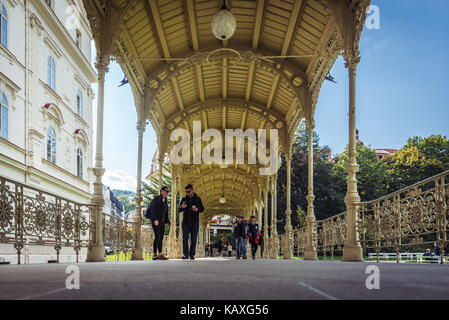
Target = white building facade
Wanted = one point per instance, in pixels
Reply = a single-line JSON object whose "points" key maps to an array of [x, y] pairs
{"points": [[46, 96]]}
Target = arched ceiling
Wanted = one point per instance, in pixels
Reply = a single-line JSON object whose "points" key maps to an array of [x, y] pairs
{"points": [[267, 76]]}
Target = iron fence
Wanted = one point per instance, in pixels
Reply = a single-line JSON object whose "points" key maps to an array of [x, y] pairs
{"points": [[29, 216], [411, 217]]}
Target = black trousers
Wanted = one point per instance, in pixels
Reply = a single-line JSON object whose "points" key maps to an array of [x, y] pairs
{"points": [[192, 230], [159, 231], [253, 248]]}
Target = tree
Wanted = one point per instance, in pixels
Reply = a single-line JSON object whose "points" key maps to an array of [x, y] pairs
{"points": [[329, 188], [127, 204], [419, 159], [371, 176], [150, 190]]}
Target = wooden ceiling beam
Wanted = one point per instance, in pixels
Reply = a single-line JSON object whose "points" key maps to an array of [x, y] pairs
{"points": [[295, 19], [175, 89], [249, 82], [243, 121], [258, 23], [153, 12], [190, 8], [224, 80], [224, 115], [204, 114], [272, 91], [200, 83]]}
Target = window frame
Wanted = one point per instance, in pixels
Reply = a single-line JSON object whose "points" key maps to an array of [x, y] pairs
{"points": [[51, 144], [79, 163], [4, 105], [78, 38], [79, 103], [51, 72], [3, 26]]}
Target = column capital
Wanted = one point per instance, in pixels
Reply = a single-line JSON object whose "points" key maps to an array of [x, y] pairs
{"points": [[101, 64], [310, 125], [352, 59], [141, 125]]}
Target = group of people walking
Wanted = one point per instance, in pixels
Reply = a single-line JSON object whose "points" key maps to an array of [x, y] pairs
{"points": [[243, 231], [191, 206]]}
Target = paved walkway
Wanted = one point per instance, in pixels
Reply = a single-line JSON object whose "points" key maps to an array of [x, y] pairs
{"points": [[225, 278]]}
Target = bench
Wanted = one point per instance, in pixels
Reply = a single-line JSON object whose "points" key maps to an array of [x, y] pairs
{"points": [[405, 256]]}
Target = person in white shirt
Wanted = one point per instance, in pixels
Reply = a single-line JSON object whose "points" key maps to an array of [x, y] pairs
{"points": [[229, 250]]}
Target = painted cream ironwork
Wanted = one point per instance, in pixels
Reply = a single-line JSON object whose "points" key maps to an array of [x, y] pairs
{"points": [[118, 234], [416, 216], [267, 75], [413, 216], [35, 217]]}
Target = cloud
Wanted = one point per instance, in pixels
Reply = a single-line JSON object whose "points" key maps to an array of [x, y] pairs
{"points": [[119, 179]]}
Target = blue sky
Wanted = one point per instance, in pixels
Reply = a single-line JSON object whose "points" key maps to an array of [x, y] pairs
{"points": [[402, 91]]}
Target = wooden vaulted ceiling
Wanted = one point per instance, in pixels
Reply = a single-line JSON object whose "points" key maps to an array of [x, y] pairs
{"points": [[162, 46]]}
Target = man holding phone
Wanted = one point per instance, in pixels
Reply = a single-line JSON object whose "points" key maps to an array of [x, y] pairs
{"points": [[191, 206]]}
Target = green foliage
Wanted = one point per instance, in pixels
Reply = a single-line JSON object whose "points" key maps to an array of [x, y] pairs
{"points": [[127, 204], [150, 190], [371, 177], [420, 158], [217, 238], [329, 187], [301, 217]]}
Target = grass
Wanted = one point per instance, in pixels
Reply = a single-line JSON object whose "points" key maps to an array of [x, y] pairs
{"points": [[121, 256]]}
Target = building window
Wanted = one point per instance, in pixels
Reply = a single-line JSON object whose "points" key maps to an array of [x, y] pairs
{"points": [[51, 73], [79, 163], [78, 39], [51, 145], [4, 27], [79, 103], [4, 117]]}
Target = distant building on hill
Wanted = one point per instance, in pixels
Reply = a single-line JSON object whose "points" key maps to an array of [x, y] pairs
{"points": [[383, 153]]}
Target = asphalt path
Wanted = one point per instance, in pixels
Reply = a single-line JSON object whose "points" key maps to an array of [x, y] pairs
{"points": [[226, 279]]}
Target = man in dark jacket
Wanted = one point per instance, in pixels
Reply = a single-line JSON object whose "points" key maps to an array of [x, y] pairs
{"points": [[240, 234], [191, 206], [157, 212], [254, 235]]}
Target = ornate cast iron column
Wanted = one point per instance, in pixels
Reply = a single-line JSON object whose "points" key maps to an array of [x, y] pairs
{"points": [[96, 248], [262, 210], [172, 235], [310, 250], [274, 232], [137, 248], [161, 163], [266, 246], [288, 253], [352, 250]]}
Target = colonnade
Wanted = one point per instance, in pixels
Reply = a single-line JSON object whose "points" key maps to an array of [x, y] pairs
{"points": [[352, 249]]}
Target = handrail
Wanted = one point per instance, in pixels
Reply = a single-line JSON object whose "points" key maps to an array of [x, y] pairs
{"points": [[406, 188]]}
